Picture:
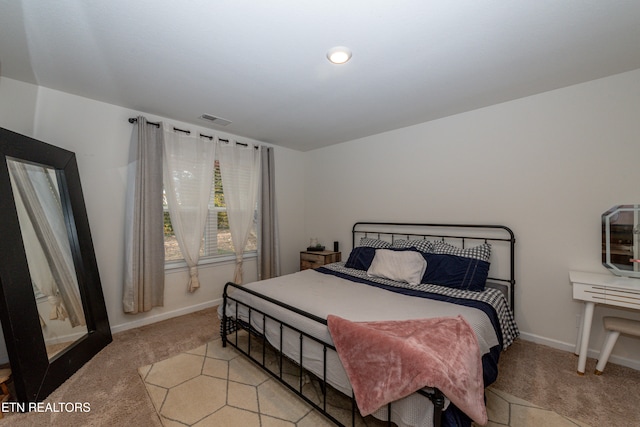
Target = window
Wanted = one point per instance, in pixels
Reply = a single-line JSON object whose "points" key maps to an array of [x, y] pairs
{"points": [[216, 240]]}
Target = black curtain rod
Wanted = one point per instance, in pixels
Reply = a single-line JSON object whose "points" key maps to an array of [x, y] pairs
{"points": [[188, 132]]}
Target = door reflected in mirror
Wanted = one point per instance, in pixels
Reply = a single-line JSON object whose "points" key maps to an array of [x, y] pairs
{"points": [[46, 242]]}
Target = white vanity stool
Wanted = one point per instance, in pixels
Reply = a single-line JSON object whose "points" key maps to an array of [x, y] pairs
{"points": [[614, 327]]}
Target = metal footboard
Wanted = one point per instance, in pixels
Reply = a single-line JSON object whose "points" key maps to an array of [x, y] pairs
{"points": [[231, 326]]}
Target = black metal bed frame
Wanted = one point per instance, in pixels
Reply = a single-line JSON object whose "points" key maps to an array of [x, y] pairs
{"points": [[381, 230]]}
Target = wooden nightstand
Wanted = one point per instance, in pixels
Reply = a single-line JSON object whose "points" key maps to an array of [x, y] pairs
{"points": [[315, 259]]}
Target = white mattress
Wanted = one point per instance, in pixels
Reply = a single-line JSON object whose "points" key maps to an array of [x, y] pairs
{"points": [[323, 294]]}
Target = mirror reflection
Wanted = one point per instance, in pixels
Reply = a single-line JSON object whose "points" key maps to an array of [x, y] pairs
{"points": [[621, 240], [48, 252]]}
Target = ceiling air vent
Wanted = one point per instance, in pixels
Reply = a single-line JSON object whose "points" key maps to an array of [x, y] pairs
{"points": [[215, 120]]}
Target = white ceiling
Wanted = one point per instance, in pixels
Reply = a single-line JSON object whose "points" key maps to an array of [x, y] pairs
{"points": [[262, 64]]}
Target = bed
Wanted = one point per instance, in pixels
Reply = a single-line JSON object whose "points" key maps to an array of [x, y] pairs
{"points": [[296, 326]]}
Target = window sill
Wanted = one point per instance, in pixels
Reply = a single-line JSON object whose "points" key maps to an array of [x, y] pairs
{"points": [[221, 259]]}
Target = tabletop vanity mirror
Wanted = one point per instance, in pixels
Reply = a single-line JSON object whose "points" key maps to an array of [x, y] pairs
{"points": [[621, 240], [52, 307]]}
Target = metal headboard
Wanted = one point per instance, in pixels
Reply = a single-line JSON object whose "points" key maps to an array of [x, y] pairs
{"points": [[500, 237]]}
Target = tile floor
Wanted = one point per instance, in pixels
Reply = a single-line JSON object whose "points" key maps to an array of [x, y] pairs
{"points": [[237, 392], [216, 386]]}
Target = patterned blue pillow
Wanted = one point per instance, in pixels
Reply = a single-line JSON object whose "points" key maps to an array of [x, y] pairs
{"points": [[422, 245], [374, 243], [481, 252]]}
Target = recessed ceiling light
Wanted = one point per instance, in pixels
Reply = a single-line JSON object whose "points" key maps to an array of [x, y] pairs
{"points": [[339, 54]]}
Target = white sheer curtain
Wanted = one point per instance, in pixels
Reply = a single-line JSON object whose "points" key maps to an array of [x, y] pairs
{"points": [[240, 170], [188, 176]]}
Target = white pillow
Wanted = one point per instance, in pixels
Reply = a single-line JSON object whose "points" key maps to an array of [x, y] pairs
{"points": [[401, 266]]}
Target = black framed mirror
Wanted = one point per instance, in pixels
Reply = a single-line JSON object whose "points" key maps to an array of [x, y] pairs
{"points": [[46, 259]]}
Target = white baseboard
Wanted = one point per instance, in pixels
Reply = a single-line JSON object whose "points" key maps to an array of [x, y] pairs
{"points": [[593, 353], [164, 316]]}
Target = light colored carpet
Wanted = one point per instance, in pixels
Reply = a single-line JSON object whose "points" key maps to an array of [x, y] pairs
{"points": [[547, 377], [216, 386]]}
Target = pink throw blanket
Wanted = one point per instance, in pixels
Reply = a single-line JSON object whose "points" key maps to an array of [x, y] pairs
{"points": [[389, 360]]}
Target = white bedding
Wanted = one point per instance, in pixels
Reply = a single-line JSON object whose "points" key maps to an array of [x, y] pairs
{"points": [[323, 294]]}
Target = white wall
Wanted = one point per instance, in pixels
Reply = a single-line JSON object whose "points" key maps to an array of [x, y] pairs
{"points": [[100, 136], [17, 105], [547, 166]]}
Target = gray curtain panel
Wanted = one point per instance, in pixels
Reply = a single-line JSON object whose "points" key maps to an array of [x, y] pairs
{"points": [[144, 235], [268, 244]]}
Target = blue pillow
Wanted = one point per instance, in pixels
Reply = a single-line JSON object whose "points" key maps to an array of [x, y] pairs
{"points": [[456, 272], [361, 257]]}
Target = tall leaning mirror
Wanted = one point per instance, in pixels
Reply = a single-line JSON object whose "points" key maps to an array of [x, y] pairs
{"points": [[52, 307]]}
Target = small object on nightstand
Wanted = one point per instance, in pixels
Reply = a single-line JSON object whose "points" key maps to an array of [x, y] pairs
{"points": [[314, 245], [315, 258]]}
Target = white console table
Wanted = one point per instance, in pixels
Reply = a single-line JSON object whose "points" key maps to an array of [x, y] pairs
{"points": [[596, 288]]}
